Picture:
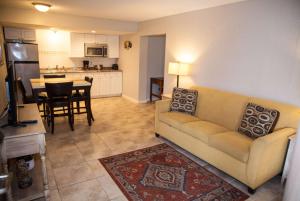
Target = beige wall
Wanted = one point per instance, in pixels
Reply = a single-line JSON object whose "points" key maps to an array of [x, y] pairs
{"points": [[3, 100], [248, 47], [129, 63]]}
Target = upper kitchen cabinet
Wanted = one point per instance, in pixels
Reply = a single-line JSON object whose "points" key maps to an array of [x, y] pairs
{"points": [[53, 43], [77, 45], [113, 46], [95, 38], [100, 39], [78, 40], [89, 38], [11, 33]]}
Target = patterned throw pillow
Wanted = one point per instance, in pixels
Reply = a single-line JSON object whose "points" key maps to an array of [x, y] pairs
{"points": [[184, 100], [258, 121]]}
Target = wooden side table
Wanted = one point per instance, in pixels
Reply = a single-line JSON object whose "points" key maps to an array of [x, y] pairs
{"points": [[160, 82], [27, 140], [291, 144]]}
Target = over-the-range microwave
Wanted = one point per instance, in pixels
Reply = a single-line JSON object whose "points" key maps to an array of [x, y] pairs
{"points": [[95, 50]]}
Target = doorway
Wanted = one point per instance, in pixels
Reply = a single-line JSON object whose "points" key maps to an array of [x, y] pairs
{"points": [[152, 64]]}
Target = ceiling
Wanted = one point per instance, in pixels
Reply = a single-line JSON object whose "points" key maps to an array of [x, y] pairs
{"points": [[127, 10]]}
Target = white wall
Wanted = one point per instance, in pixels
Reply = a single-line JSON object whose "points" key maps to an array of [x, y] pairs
{"points": [[54, 49], [249, 47], [129, 63], [32, 18]]}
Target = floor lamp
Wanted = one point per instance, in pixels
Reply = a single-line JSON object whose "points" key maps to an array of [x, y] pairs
{"points": [[177, 68]]}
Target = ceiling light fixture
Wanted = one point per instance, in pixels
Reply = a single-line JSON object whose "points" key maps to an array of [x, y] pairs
{"points": [[93, 31], [42, 7]]}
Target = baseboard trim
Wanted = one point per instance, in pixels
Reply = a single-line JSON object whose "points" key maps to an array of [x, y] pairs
{"points": [[144, 101], [130, 99], [134, 100]]}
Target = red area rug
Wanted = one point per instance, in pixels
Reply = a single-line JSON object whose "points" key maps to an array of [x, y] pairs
{"points": [[163, 174]]}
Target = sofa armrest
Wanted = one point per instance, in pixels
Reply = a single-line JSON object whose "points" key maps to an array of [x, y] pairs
{"points": [[267, 156], [161, 106]]}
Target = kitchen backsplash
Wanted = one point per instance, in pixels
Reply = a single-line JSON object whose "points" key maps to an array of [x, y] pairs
{"points": [[50, 60]]}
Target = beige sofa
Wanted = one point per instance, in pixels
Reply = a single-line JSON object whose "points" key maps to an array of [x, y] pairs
{"points": [[212, 135]]}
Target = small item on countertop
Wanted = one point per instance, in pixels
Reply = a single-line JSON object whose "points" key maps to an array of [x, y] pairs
{"points": [[115, 67], [86, 64]]}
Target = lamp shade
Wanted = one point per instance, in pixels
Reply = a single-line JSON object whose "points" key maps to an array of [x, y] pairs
{"points": [[176, 68]]}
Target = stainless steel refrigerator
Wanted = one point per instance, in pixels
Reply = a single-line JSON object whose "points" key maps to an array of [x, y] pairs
{"points": [[25, 58]]}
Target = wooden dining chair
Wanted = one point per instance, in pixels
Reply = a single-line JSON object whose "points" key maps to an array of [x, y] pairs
{"points": [[59, 96], [82, 96], [40, 100], [47, 76]]}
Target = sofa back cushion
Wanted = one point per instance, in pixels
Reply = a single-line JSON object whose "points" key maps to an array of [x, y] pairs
{"points": [[289, 114], [223, 108]]}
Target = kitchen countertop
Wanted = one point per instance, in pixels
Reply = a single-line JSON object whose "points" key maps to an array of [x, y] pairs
{"points": [[75, 70]]}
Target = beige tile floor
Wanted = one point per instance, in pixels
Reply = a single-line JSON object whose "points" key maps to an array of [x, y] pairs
{"points": [[73, 169]]}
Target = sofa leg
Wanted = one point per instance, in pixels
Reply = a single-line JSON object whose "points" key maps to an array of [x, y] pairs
{"points": [[157, 135], [251, 191]]}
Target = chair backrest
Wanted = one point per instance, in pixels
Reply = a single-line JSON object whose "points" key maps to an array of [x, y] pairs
{"points": [[55, 76], [58, 90], [22, 88], [89, 79]]}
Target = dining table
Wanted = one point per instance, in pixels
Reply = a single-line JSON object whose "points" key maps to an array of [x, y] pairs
{"points": [[38, 86]]}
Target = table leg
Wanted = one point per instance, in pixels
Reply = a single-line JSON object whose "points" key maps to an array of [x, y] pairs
{"points": [[45, 177], [44, 169], [5, 166], [88, 102]]}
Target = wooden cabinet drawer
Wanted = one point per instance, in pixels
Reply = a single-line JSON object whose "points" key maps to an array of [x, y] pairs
{"points": [[22, 146]]}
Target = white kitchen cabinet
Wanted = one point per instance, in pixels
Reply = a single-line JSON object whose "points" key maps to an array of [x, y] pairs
{"points": [[89, 38], [113, 46], [95, 86], [100, 39], [105, 84], [77, 45], [11, 33], [115, 83], [78, 40], [28, 34]]}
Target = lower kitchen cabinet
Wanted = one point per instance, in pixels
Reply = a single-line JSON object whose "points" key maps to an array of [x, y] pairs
{"points": [[105, 84]]}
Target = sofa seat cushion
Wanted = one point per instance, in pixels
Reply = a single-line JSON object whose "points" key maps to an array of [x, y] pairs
{"points": [[233, 144], [202, 130], [175, 119]]}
